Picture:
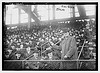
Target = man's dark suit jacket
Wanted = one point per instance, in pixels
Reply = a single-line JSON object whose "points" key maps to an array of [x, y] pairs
{"points": [[69, 48]]}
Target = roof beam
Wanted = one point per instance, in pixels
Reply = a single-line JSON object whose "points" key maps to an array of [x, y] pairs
{"points": [[29, 12], [81, 10]]}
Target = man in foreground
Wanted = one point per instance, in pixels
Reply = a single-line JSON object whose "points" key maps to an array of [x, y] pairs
{"points": [[69, 51]]}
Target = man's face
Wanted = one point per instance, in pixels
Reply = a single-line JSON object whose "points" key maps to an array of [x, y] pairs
{"points": [[66, 34]]}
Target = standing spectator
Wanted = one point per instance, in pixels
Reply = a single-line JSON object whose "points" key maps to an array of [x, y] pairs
{"points": [[69, 51]]}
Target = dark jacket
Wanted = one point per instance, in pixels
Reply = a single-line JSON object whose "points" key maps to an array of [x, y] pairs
{"points": [[69, 48]]}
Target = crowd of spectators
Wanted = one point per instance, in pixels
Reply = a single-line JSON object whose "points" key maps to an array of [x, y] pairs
{"points": [[22, 43]]}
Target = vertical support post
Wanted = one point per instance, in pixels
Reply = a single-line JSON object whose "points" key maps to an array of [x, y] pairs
{"points": [[22, 64], [41, 51], [48, 14], [53, 9], [77, 64], [29, 17], [5, 14], [73, 8], [11, 17], [19, 12]]}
